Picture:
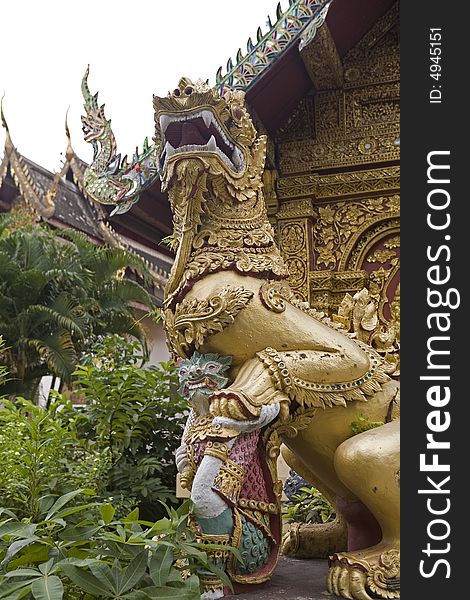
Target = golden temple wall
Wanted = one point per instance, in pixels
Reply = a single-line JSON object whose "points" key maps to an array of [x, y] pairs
{"points": [[337, 214]]}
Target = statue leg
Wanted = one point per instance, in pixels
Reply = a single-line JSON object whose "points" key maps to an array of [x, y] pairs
{"points": [[215, 520], [369, 465]]}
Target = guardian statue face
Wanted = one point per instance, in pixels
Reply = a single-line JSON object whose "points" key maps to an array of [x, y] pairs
{"points": [[194, 123], [202, 373]]}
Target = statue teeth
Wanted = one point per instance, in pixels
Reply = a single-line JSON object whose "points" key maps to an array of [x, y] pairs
{"points": [[212, 144], [169, 149], [237, 158], [207, 118], [165, 120]]}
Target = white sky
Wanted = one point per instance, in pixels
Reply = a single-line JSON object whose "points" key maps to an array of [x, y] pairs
{"points": [[135, 49]]}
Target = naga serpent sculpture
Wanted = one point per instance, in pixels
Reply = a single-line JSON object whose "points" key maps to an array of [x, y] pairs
{"points": [[260, 367]]}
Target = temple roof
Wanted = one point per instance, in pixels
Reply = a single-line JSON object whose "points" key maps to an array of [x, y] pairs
{"points": [[60, 200], [300, 53], [300, 20]]}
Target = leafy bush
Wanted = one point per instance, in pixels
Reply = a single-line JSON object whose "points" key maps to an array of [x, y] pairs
{"points": [[135, 414], [120, 443], [309, 506], [41, 453], [82, 552]]}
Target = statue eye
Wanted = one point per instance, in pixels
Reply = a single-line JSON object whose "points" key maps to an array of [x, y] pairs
{"points": [[211, 367], [183, 372]]}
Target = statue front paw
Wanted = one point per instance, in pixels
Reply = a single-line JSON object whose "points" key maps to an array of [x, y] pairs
{"points": [[373, 571]]}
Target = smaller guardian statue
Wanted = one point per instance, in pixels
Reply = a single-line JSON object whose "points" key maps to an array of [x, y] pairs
{"points": [[221, 460]]}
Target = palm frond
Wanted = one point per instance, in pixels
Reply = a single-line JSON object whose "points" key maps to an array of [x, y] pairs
{"points": [[56, 317], [58, 351], [121, 292]]}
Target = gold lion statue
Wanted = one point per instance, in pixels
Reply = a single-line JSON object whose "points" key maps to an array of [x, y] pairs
{"points": [[259, 367]]}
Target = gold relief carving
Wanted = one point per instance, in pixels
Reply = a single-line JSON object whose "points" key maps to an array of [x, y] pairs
{"points": [[270, 178], [295, 209], [206, 260], [359, 315], [297, 272], [355, 124], [338, 226], [194, 320], [299, 185], [376, 58], [341, 120], [379, 574], [273, 437], [329, 114], [300, 124], [336, 184], [293, 245], [360, 243], [229, 480], [293, 237], [308, 155], [388, 259], [274, 296], [327, 288], [322, 60], [377, 107]]}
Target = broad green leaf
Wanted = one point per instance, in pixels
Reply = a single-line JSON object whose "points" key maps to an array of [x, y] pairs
{"points": [[23, 573], [74, 509], [164, 593], [104, 574], [46, 567], [222, 575], [132, 516], [160, 564], [49, 587], [59, 521], [134, 571], [117, 572], [36, 553], [185, 508], [77, 562], [15, 548], [14, 591], [107, 512], [79, 534], [193, 583], [161, 526], [62, 501], [17, 528], [85, 580]]}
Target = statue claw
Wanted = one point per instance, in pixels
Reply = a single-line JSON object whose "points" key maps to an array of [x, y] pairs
{"points": [[343, 585], [347, 584], [357, 585]]}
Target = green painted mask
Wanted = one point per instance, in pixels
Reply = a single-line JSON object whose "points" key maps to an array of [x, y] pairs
{"points": [[202, 373]]}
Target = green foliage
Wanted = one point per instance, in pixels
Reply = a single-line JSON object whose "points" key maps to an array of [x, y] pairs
{"points": [[41, 453], [309, 506], [57, 292], [135, 414], [120, 443], [82, 552], [362, 424]]}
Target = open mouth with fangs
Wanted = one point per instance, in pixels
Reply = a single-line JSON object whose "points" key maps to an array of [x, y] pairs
{"points": [[200, 132]]}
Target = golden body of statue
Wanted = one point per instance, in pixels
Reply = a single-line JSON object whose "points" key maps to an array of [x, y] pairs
{"points": [[227, 294]]}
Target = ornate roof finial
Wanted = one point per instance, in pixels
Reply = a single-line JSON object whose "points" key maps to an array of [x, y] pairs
{"points": [[8, 142], [69, 153]]}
